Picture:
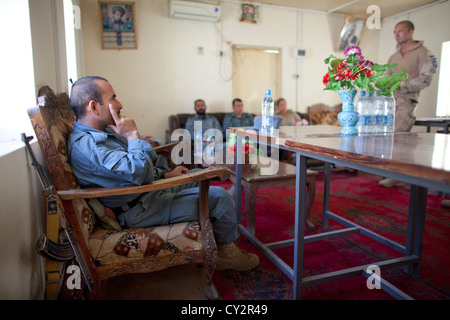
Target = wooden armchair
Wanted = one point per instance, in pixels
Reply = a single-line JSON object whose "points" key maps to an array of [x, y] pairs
{"points": [[106, 249], [324, 114]]}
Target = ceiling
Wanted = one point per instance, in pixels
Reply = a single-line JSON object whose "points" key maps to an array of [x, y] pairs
{"points": [[354, 8]]}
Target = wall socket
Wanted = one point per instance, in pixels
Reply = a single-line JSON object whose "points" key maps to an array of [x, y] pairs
{"points": [[299, 53]]}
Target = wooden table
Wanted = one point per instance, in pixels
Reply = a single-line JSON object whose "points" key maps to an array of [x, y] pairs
{"points": [[420, 159], [253, 179]]}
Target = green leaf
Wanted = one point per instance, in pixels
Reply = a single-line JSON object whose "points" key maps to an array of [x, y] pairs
{"points": [[327, 60]]}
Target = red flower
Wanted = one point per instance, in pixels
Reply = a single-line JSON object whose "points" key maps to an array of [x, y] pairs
{"points": [[326, 79], [345, 74]]}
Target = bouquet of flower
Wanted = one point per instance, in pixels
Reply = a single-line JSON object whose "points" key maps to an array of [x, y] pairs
{"points": [[354, 71]]}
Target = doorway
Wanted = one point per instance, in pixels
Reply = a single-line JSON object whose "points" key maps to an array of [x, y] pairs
{"points": [[256, 70]]}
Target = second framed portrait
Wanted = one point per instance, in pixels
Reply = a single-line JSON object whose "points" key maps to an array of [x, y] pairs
{"points": [[350, 33], [118, 25]]}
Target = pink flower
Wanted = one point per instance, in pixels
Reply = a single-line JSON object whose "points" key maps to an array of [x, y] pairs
{"points": [[353, 50]]}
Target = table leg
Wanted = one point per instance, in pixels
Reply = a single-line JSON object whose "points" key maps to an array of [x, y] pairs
{"points": [[326, 194], [250, 189], [300, 214], [416, 227], [238, 182], [311, 194]]}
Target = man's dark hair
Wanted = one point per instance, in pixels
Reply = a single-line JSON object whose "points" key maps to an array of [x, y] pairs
{"points": [[408, 24], [234, 100], [198, 100], [84, 90]]}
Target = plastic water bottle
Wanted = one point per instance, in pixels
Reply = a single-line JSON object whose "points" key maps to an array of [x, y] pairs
{"points": [[380, 113], [371, 117], [267, 113], [390, 114], [361, 108]]}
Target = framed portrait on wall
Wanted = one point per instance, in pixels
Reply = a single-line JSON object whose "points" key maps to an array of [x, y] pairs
{"points": [[248, 13], [118, 25], [350, 33]]}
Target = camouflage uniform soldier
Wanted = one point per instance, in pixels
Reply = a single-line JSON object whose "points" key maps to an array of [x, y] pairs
{"points": [[420, 64]]}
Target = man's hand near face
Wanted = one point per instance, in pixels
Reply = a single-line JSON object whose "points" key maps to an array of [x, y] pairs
{"points": [[124, 126]]}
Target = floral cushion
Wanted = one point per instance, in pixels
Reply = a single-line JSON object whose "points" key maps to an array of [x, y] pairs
{"points": [[108, 247], [324, 117]]}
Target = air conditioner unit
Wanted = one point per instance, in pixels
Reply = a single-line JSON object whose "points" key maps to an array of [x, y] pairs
{"points": [[194, 11]]}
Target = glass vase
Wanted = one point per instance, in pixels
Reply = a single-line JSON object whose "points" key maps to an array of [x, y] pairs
{"points": [[348, 117]]}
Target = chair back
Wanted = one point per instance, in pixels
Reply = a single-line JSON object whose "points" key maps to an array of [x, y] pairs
{"points": [[52, 122], [324, 114]]}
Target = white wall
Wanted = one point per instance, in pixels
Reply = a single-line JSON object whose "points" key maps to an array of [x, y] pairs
{"points": [[166, 74], [22, 221], [432, 25]]}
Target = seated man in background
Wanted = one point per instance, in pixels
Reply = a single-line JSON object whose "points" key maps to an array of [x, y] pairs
{"points": [[105, 150], [208, 121], [238, 118]]}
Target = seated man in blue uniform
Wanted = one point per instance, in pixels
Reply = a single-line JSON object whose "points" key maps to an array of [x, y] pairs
{"points": [[238, 118], [208, 121], [105, 150]]}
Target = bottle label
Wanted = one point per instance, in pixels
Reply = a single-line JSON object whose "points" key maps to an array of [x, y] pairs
{"points": [[371, 120], [390, 119], [266, 122], [381, 120], [362, 121]]}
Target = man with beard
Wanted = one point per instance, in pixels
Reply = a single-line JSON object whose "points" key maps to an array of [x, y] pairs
{"points": [[208, 121]]}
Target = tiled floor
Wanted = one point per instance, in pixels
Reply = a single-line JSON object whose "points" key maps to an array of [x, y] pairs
{"points": [[178, 283]]}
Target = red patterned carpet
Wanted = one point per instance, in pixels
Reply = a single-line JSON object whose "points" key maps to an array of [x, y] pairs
{"points": [[357, 198]]}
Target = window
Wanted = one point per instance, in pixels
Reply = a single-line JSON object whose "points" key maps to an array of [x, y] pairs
{"points": [[16, 62], [17, 78], [69, 26], [443, 98]]}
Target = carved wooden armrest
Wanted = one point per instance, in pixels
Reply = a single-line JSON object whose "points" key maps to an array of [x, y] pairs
{"points": [[221, 172], [166, 147]]}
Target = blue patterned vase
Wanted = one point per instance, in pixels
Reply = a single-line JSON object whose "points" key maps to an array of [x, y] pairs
{"points": [[348, 117]]}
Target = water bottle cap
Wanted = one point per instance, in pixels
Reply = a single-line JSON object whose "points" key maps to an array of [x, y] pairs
{"points": [[268, 92]]}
